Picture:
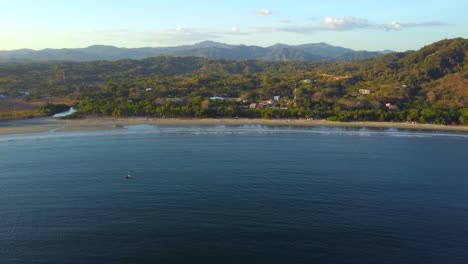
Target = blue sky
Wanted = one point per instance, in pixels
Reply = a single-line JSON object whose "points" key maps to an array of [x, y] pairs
{"points": [[358, 24]]}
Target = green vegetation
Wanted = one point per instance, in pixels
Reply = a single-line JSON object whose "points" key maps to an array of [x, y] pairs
{"points": [[18, 114], [427, 86]]}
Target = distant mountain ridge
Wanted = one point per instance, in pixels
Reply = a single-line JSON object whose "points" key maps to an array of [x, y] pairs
{"points": [[206, 49]]}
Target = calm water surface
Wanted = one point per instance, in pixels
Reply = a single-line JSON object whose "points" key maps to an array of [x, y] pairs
{"points": [[247, 194]]}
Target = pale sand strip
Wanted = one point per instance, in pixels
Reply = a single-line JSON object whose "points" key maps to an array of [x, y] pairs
{"points": [[97, 123]]}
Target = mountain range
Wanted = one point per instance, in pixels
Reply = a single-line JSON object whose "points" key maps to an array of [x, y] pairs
{"points": [[206, 49]]}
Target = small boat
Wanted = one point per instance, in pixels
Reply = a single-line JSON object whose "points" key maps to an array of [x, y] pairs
{"points": [[128, 177]]}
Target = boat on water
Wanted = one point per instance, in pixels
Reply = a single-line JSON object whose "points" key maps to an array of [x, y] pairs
{"points": [[128, 177]]}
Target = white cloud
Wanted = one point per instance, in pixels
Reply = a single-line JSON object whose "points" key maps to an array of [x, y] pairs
{"points": [[345, 23], [177, 36], [263, 12], [235, 29], [182, 35], [401, 26], [342, 24], [351, 23], [395, 26]]}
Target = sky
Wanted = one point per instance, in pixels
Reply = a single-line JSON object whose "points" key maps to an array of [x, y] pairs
{"points": [[397, 25]]}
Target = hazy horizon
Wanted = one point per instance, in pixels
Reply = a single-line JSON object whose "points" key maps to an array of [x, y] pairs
{"points": [[199, 42], [360, 25]]}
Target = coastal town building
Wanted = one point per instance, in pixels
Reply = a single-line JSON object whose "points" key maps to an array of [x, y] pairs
{"points": [[266, 102], [391, 107], [364, 91], [217, 98]]}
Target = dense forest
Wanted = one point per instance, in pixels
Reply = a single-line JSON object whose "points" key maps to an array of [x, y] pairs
{"points": [[429, 86]]}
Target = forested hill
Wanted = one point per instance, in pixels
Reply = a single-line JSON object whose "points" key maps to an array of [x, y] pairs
{"points": [[437, 74], [428, 85], [206, 49]]}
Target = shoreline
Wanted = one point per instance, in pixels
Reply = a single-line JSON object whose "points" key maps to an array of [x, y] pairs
{"points": [[40, 125]]}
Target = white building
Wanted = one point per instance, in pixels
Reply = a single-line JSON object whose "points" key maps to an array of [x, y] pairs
{"points": [[364, 91]]}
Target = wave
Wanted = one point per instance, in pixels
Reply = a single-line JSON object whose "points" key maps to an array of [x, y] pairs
{"points": [[234, 130], [71, 111]]}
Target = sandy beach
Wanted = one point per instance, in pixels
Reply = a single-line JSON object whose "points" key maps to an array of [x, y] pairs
{"points": [[37, 125]]}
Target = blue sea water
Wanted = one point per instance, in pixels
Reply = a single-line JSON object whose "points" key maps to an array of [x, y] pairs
{"points": [[234, 194]]}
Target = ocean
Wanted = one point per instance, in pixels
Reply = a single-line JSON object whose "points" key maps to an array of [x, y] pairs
{"points": [[234, 194]]}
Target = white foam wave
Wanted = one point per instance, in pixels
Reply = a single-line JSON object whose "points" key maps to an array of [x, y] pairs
{"points": [[234, 130], [71, 111]]}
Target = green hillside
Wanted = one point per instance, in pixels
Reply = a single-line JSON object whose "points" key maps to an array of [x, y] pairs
{"points": [[428, 85]]}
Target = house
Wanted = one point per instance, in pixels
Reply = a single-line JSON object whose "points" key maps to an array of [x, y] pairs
{"points": [[391, 107], [149, 89], [262, 105], [276, 98], [364, 91], [266, 102], [253, 106], [306, 81]]}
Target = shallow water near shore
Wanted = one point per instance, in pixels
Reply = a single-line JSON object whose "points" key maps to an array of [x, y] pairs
{"points": [[137, 129], [233, 194]]}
